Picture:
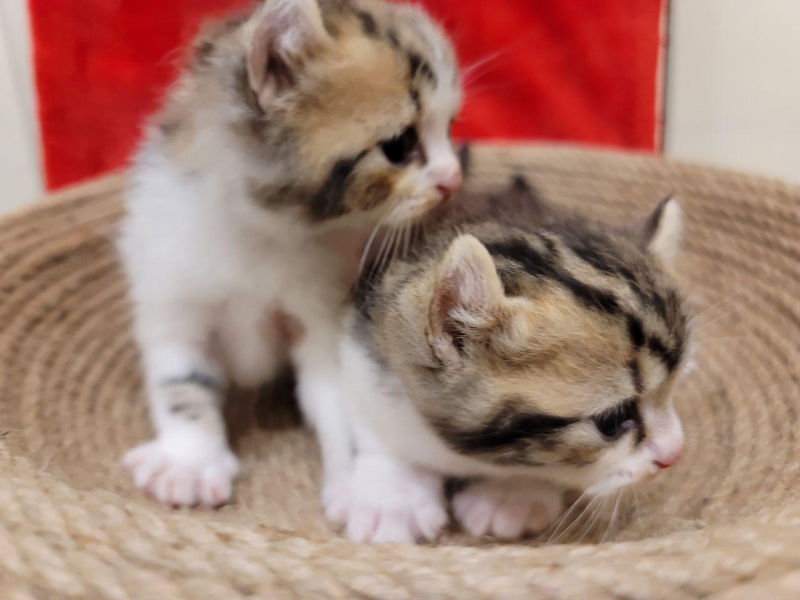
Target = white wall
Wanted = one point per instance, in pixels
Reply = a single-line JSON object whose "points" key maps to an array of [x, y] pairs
{"points": [[20, 173], [734, 84]]}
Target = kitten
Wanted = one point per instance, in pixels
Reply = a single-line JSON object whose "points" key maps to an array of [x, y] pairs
{"points": [[531, 349], [294, 131]]}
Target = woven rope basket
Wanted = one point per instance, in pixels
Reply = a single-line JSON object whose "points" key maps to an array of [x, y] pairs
{"points": [[724, 523]]}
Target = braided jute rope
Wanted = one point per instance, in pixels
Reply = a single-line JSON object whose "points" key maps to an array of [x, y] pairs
{"points": [[724, 523]]}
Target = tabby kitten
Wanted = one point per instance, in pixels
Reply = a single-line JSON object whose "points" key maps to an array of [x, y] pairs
{"points": [[293, 132], [531, 349]]}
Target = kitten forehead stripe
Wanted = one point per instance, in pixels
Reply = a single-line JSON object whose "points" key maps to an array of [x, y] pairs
{"points": [[328, 203], [670, 356], [636, 375], [592, 248], [539, 265], [635, 332]]}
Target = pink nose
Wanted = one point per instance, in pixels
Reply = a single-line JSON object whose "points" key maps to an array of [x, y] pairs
{"points": [[449, 183], [666, 461]]}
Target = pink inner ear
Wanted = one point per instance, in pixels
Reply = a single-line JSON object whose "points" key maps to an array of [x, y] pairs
{"points": [[267, 65], [447, 336], [471, 276], [257, 59], [283, 35], [467, 286], [465, 289], [444, 302], [471, 286]]}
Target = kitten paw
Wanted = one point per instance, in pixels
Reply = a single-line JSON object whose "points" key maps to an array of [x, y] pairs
{"points": [[173, 475], [336, 500], [391, 503], [507, 511]]}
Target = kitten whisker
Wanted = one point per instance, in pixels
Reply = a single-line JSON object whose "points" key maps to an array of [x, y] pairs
{"points": [[365, 253], [643, 490], [483, 66], [719, 318], [474, 91], [728, 313], [390, 242], [556, 527], [636, 506], [725, 299], [397, 246], [397, 251], [563, 537], [468, 71], [613, 517], [406, 241], [373, 268], [591, 521], [376, 264]]}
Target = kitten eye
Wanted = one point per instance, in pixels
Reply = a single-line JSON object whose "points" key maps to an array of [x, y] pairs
{"points": [[399, 149], [619, 420]]}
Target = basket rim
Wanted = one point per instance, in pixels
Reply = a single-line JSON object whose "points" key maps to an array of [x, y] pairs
{"points": [[41, 515]]}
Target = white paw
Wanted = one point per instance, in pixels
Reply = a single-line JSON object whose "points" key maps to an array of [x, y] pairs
{"points": [[337, 497], [507, 511], [390, 502], [178, 474]]}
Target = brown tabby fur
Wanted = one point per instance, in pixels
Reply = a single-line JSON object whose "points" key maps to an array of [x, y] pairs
{"points": [[575, 318]]}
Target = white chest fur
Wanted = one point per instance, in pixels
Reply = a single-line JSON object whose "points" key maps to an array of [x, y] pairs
{"points": [[198, 241]]}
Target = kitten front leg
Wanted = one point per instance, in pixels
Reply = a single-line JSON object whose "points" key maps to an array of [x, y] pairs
{"points": [[189, 462], [507, 509], [321, 398]]}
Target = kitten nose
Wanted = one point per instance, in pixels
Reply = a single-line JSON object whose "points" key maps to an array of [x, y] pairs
{"points": [[667, 460], [449, 182]]}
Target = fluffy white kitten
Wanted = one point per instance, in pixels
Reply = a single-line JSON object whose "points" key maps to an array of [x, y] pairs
{"points": [[292, 133]]}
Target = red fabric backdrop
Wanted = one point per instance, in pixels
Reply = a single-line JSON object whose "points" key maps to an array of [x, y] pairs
{"points": [[582, 70]]}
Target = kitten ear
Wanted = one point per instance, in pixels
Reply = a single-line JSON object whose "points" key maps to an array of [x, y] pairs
{"points": [[661, 233], [467, 290], [283, 34]]}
